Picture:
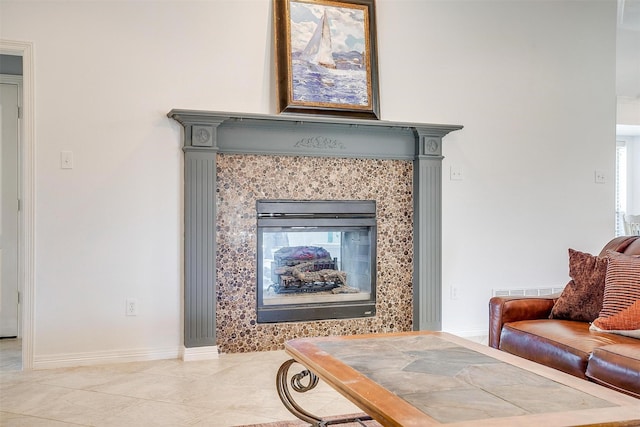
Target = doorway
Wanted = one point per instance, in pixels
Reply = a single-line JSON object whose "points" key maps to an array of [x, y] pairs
{"points": [[627, 175], [22, 52], [10, 100], [10, 103]]}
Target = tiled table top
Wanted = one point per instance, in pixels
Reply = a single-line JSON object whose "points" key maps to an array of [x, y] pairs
{"points": [[435, 378]]}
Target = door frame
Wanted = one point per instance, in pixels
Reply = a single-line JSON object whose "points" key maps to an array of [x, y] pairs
{"points": [[26, 214]]}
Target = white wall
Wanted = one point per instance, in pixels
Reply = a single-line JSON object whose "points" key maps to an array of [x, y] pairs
{"points": [[532, 82], [534, 85]]}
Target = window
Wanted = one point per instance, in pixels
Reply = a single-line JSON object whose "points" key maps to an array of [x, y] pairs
{"points": [[621, 185]]}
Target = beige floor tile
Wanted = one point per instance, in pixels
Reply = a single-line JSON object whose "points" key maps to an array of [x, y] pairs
{"points": [[229, 418], [146, 386], [154, 414], [191, 370], [11, 378], [233, 390], [29, 398], [16, 420], [81, 378], [61, 404], [10, 354]]}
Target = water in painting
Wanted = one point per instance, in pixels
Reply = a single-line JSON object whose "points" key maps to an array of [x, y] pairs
{"points": [[328, 60]]}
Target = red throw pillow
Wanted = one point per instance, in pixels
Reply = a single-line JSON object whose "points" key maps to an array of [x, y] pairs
{"points": [[621, 306], [581, 299]]}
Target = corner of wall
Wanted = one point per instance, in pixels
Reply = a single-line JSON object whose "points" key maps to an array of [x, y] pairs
{"points": [[628, 111]]}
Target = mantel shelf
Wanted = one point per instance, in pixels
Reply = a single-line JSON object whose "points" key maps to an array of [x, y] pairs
{"points": [[189, 117], [308, 135]]}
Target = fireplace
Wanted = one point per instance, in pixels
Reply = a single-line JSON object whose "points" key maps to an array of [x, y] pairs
{"points": [[316, 259], [234, 160]]}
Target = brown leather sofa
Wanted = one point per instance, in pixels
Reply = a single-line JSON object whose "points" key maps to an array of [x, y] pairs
{"points": [[521, 326]]}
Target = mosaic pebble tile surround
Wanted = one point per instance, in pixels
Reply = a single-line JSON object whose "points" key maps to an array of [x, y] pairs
{"points": [[243, 179]]}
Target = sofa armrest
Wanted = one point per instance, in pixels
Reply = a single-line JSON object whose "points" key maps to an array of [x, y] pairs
{"points": [[511, 309]]}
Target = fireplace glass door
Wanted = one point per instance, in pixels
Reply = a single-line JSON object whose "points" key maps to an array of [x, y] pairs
{"points": [[316, 260]]}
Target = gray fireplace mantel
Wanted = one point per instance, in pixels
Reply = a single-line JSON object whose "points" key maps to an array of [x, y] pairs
{"points": [[207, 133]]}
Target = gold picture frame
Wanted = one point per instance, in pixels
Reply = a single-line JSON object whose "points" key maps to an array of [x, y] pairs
{"points": [[326, 57]]}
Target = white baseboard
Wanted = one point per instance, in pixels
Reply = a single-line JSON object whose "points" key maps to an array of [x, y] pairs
{"points": [[474, 333], [104, 357], [480, 335], [191, 354]]}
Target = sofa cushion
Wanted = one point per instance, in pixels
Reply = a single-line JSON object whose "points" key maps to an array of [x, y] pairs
{"points": [[561, 344], [629, 245], [616, 366], [621, 306], [581, 299]]}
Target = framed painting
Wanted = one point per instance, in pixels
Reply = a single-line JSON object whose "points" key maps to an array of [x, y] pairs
{"points": [[326, 57]]}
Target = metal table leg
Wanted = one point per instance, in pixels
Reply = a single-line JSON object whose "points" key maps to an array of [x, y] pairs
{"points": [[302, 382]]}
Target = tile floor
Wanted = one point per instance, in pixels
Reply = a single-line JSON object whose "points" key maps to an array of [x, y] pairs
{"points": [[233, 390], [10, 355]]}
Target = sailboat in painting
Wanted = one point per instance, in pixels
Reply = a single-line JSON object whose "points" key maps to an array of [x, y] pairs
{"points": [[319, 50]]}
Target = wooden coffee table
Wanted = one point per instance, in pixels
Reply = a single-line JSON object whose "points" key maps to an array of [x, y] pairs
{"points": [[434, 378]]}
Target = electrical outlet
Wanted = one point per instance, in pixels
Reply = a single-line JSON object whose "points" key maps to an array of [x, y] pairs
{"points": [[454, 292], [132, 307], [456, 173], [599, 177]]}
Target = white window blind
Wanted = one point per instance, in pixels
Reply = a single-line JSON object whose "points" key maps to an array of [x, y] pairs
{"points": [[621, 185]]}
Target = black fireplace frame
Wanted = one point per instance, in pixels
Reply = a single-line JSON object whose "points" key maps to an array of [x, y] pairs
{"points": [[316, 215]]}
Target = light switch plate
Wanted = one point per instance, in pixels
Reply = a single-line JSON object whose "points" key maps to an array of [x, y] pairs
{"points": [[66, 160]]}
